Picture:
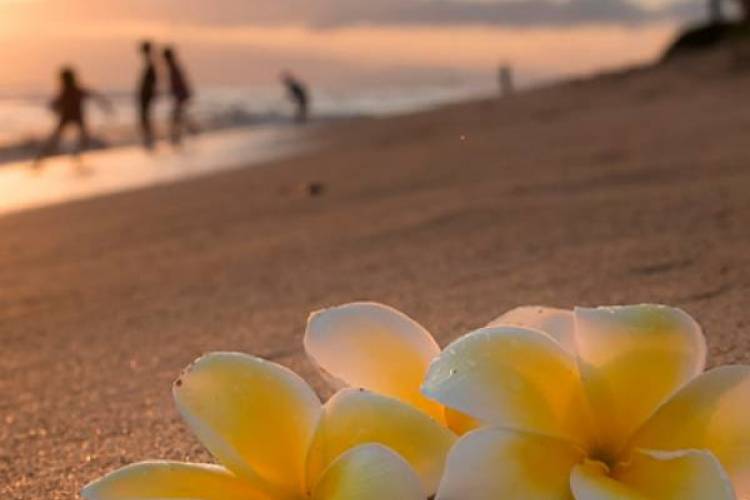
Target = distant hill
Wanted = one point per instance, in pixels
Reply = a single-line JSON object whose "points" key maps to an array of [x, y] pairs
{"points": [[700, 38]]}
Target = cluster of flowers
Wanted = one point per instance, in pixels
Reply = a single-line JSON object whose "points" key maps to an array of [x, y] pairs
{"points": [[607, 403]]}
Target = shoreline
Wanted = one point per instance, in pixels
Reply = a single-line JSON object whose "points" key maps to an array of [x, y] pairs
{"points": [[218, 109], [112, 140], [63, 179]]}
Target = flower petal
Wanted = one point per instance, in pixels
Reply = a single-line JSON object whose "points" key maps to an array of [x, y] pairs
{"points": [[460, 423], [164, 480], [375, 347], [256, 417], [589, 481], [557, 323], [632, 359], [713, 413], [515, 378], [353, 417], [493, 463], [685, 475], [369, 472]]}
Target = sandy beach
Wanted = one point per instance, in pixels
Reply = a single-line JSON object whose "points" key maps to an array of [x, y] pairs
{"points": [[624, 188]]}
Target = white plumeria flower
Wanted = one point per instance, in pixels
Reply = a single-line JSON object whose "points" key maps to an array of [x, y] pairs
{"points": [[607, 403], [275, 441], [374, 346]]}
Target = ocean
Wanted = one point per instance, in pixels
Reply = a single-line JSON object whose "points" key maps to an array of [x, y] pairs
{"points": [[26, 120]]}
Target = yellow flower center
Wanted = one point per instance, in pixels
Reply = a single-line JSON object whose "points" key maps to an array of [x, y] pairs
{"points": [[602, 459]]}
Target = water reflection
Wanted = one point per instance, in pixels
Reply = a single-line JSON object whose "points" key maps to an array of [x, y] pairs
{"points": [[64, 179]]}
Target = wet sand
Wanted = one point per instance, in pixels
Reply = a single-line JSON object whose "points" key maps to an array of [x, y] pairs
{"points": [[634, 188], [63, 178]]}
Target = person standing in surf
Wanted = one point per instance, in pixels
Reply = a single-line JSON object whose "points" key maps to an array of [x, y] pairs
{"points": [[298, 94], [181, 93], [146, 94], [69, 106]]}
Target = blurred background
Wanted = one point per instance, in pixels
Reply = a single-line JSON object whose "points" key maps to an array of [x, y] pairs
{"points": [[360, 57]]}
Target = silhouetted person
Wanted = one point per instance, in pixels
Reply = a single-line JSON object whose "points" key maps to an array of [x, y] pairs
{"points": [[505, 80], [297, 92], [69, 105], [146, 94], [181, 95]]}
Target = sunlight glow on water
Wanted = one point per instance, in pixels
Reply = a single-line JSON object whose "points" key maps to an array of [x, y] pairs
{"points": [[63, 179]]}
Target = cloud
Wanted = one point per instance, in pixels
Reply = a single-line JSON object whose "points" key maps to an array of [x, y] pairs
{"points": [[514, 13], [509, 13], [328, 14]]}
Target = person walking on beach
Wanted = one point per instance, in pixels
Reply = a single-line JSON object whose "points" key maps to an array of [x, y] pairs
{"points": [[181, 95], [298, 94], [146, 94], [505, 80], [69, 105]]}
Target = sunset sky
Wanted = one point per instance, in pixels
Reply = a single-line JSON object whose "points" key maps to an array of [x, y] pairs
{"points": [[333, 41]]}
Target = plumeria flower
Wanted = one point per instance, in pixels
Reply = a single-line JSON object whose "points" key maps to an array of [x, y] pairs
{"points": [[276, 441], [608, 403], [370, 345]]}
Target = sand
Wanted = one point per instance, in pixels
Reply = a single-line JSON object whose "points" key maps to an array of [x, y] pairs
{"points": [[621, 189]]}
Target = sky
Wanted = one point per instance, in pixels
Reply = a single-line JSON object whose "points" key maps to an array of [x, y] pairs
{"points": [[334, 42]]}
